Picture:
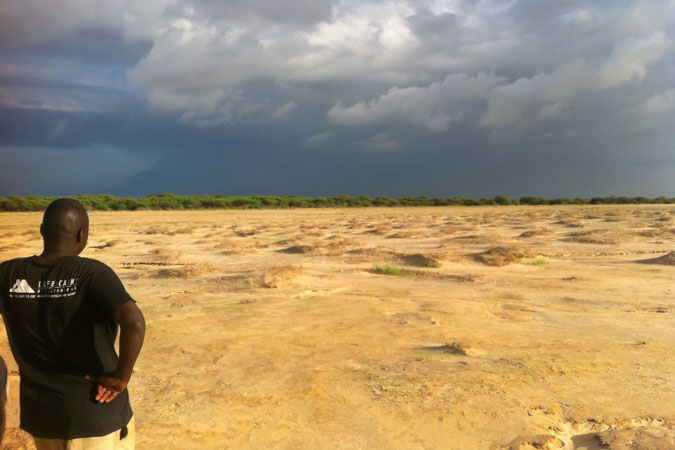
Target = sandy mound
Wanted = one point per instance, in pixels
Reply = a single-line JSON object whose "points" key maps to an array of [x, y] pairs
{"points": [[281, 276], [164, 255], [236, 248], [298, 249], [535, 441], [401, 235], [656, 233], [372, 254], [244, 281], [570, 223], [502, 256], [314, 233], [246, 232], [422, 260], [474, 239], [344, 242], [330, 249], [383, 254], [186, 271], [598, 237], [387, 270], [456, 348], [532, 233], [642, 437], [666, 260], [377, 230], [168, 231], [186, 230], [109, 244], [288, 242]]}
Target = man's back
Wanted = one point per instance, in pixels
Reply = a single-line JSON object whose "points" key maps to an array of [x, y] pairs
{"points": [[59, 320]]}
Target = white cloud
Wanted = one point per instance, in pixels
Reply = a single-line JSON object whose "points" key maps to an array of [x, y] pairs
{"points": [[381, 142], [554, 111], [208, 109], [657, 104], [318, 140], [194, 55], [421, 106], [630, 58], [518, 105], [644, 17], [285, 109], [582, 16], [424, 63]]}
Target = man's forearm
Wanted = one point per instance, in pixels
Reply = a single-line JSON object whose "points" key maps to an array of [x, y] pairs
{"points": [[131, 342], [132, 326], [132, 331]]}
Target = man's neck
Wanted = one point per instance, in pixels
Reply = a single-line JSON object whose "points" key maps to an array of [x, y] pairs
{"points": [[49, 254]]}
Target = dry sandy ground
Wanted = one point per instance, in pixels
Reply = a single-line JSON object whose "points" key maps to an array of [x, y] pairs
{"points": [[509, 327]]}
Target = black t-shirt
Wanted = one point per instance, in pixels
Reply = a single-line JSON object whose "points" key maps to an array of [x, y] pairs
{"points": [[59, 321]]}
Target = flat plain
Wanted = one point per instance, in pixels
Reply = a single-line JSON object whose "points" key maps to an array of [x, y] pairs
{"points": [[450, 327]]}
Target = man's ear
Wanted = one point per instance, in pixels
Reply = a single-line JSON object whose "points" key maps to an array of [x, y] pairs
{"points": [[42, 229], [80, 235]]}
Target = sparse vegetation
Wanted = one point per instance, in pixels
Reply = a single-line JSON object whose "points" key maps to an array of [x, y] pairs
{"points": [[169, 201], [385, 269], [536, 262]]}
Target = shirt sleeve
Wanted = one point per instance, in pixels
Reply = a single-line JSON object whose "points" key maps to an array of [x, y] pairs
{"points": [[108, 291]]}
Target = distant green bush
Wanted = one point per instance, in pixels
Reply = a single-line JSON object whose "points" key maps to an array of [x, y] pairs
{"points": [[503, 200], [168, 201], [533, 201]]}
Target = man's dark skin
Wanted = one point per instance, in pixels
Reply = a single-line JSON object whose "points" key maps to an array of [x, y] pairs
{"points": [[65, 231], [3, 400]]}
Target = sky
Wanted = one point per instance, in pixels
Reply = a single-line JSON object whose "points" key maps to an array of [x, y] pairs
{"points": [[327, 97]]}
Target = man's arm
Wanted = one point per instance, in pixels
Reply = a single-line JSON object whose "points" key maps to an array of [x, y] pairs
{"points": [[3, 397], [132, 331]]}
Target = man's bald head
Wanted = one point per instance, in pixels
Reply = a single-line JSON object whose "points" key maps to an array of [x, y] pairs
{"points": [[65, 224]]}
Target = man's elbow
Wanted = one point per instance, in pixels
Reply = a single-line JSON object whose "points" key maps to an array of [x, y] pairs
{"points": [[137, 325], [130, 318], [134, 324]]}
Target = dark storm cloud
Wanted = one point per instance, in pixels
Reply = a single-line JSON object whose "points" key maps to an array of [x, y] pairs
{"points": [[290, 11], [325, 97], [437, 30], [94, 47], [35, 170]]}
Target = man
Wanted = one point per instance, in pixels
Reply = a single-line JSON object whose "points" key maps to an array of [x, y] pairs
{"points": [[61, 313]]}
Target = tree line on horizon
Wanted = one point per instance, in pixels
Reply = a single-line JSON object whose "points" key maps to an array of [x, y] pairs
{"points": [[166, 201]]}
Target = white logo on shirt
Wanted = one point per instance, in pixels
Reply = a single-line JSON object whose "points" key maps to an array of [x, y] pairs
{"points": [[45, 289], [22, 287]]}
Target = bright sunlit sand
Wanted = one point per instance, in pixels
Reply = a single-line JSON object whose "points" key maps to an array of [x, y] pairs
{"points": [[485, 327]]}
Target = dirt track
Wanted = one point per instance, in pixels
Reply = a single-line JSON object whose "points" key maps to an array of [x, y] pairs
{"points": [[509, 326]]}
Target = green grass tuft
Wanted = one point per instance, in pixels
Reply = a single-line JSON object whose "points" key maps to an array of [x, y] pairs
{"points": [[385, 269], [536, 262]]}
